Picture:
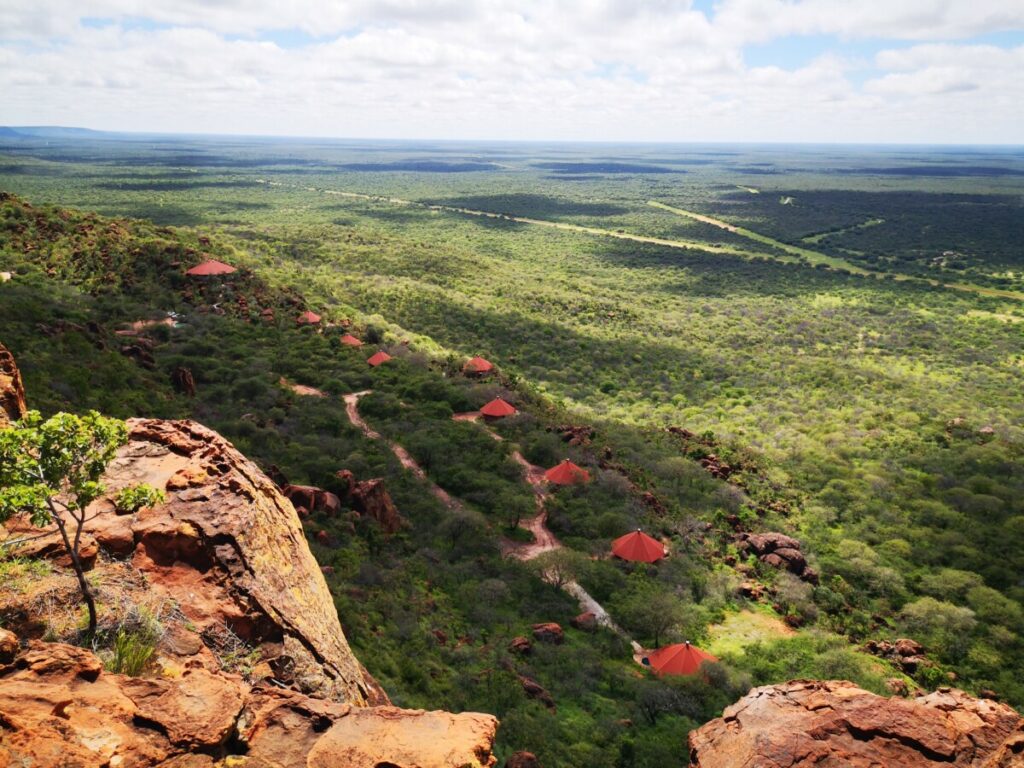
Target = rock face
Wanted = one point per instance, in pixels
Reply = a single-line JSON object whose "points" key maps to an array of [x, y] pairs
{"points": [[12, 392], [835, 723], [228, 547], [59, 708]]}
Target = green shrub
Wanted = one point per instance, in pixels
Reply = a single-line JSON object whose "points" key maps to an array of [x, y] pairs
{"points": [[132, 652]]}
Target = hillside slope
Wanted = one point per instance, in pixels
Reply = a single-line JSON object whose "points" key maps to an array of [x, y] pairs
{"points": [[249, 656]]}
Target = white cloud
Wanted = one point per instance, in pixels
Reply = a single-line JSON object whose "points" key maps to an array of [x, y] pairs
{"points": [[590, 69]]}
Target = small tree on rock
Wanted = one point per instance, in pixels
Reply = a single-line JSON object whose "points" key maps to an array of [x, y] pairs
{"points": [[50, 471]]}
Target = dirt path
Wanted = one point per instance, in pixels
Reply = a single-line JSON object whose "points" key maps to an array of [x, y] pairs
{"points": [[834, 262], [543, 539], [812, 256], [301, 389], [403, 456], [564, 226]]}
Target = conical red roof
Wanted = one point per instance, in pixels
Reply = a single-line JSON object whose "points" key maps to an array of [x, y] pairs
{"points": [[350, 341], [477, 365], [498, 408], [308, 318], [567, 473], [638, 547], [679, 659], [211, 267], [379, 358]]}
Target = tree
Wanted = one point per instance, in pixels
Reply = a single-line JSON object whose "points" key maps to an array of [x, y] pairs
{"points": [[558, 567], [648, 610], [50, 471]]}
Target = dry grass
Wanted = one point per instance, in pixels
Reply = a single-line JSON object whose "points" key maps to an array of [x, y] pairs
{"points": [[43, 602]]}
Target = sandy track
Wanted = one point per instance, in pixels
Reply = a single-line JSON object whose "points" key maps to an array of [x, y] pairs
{"points": [[403, 456], [543, 539]]}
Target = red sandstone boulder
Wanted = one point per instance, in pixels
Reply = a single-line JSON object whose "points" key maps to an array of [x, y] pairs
{"points": [[807, 723], [905, 653], [522, 760], [535, 690], [520, 645], [12, 391], [312, 499], [586, 621], [8, 646], [779, 551], [549, 632], [371, 498], [387, 737], [198, 709]]}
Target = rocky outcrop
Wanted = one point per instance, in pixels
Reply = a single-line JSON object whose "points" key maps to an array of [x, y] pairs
{"points": [[520, 645], [549, 632], [815, 723], [522, 760], [59, 708], [906, 654], [183, 381], [12, 392], [574, 434], [233, 544], [371, 498], [387, 736], [309, 498], [779, 551], [535, 690], [586, 621], [228, 549]]}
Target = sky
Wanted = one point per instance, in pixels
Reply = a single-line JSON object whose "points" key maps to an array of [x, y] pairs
{"points": [[873, 71]]}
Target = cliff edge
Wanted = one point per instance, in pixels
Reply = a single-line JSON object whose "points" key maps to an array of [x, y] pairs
{"points": [[250, 665]]}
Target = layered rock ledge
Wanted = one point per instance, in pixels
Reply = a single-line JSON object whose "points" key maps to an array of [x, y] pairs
{"points": [[806, 723], [60, 709]]}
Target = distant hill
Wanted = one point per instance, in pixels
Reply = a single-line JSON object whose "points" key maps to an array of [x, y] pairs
{"points": [[47, 132]]}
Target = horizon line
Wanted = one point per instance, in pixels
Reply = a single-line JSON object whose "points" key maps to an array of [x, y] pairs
{"points": [[651, 142]]}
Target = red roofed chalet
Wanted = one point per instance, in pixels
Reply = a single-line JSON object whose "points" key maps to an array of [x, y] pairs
{"points": [[567, 473], [497, 409], [478, 366], [379, 358], [350, 341], [308, 318], [638, 547], [211, 267], [679, 659]]}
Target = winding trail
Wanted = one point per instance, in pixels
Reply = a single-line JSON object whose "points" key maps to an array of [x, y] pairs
{"points": [[301, 389], [543, 539], [403, 456]]}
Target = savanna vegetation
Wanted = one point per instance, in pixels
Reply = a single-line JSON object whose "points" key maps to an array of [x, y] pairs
{"points": [[876, 419]]}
